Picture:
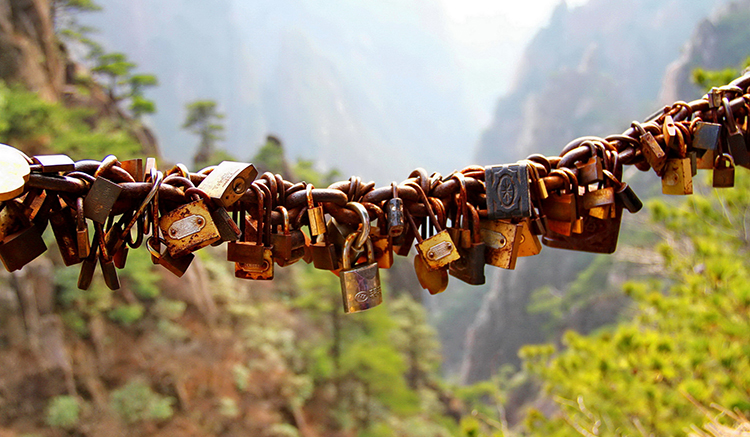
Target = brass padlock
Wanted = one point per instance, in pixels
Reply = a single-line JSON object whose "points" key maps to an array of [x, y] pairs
{"points": [[599, 202], [651, 149], [723, 171], [178, 266], [434, 281], [360, 284], [282, 240], [188, 228], [394, 211], [438, 250], [226, 183], [264, 270], [83, 242], [315, 214], [529, 244], [561, 207], [508, 191], [470, 267], [670, 132], [134, 167], [677, 178], [591, 171], [501, 241]]}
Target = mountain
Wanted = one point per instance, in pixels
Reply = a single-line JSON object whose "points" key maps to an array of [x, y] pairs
{"points": [[343, 84], [591, 71]]}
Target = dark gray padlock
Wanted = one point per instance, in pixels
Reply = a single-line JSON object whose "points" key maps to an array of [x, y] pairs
{"points": [[100, 199], [360, 284], [735, 139], [508, 191]]}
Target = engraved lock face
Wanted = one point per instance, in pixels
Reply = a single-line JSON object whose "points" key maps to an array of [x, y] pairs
{"points": [[508, 192], [678, 177], [438, 250], [502, 241], [597, 236], [261, 271], [228, 182], [360, 284], [188, 228]]}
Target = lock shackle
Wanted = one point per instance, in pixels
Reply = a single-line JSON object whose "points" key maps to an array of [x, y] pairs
{"points": [[566, 185], [364, 218], [280, 189], [80, 217], [157, 179], [724, 157], [572, 178], [394, 188], [108, 162], [196, 194], [260, 211], [284, 219], [270, 182], [153, 244], [729, 116], [572, 145], [267, 210], [475, 228], [179, 169], [413, 225], [426, 203], [439, 207], [349, 243], [308, 193], [462, 200]]}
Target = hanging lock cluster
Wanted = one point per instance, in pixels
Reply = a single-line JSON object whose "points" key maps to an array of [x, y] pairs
{"points": [[454, 224]]}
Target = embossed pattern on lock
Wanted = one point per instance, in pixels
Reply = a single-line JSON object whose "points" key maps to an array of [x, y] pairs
{"points": [[508, 191]]}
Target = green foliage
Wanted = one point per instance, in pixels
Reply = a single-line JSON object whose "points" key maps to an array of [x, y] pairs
{"points": [[26, 118], [203, 119], [686, 342], [136, 401], [304, 170], [707, 78], [63, 412], [126, 314]]}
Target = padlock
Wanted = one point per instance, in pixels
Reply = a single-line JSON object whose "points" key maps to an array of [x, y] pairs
{"points": [[403, 244], [598, 202], [560, 207], [22, 247], [134, 167], [102, 195], [263, 270], [10, 218], [437, 250], [508, 191], [188, 228], [282, 240], [529, 244], [706, 138], [590, 172], [470, 267], [459, 230], [178, 266], [434, 281], [597, 236], [249, 250], [106, 262], [63, 226], [315, 214], [394, 211], [228, 182], [54, 163], [651, 149], [537, 183], [228, 229], [624, 194], [735, 138], [501, 241], [670, 132], [714, 96], [677, 178], [360, 284], [723, 171], [15, 168], [383, 245]]}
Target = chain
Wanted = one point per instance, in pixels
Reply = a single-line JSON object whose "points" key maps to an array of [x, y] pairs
{"points": [[460, 222]]}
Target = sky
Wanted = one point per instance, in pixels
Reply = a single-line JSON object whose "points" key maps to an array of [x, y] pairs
{"points": [[489, 38]]}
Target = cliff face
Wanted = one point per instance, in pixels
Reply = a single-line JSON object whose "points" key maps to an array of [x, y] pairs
{"points": [[720, 41], [590, 72], [29, 53]]}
